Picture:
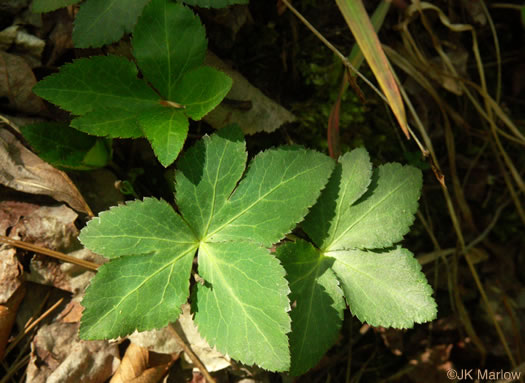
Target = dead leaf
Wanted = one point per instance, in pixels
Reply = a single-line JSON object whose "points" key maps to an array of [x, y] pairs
{"points": [[210, 357], [29, 47], [162, 341], [72, 313], [10, 273], [16, 84], [22, 170], [64, 276], [60, 38], [11, 213], [7, 37], [264, 115], [11, 293], [141, 366], [57, 355], [52, 227]]}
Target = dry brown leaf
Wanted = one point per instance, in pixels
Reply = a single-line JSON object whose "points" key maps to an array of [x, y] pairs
{"points": [[210, 357], [16, 84], [264, 115], [57, 355], [52, 227], [162, 341], [60, 38], [22, 170], [133, 364], [141, 366], [11, 293]]}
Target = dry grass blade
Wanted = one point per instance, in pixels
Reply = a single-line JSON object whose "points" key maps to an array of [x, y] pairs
{"points": [[357, 19], [489, 111]]}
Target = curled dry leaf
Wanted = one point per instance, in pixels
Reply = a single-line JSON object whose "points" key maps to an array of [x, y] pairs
{"points": [[258, 113], [142, 366], [22, 170], [16, 84]]}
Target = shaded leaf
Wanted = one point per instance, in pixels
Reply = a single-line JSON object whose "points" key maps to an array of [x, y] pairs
{"points": [[39, 6], [98, 82], [214, 3], [168, 41], [201, 90], [385, 288], [166, 129], [62, 146], [100, 22], [348, 182], [319, 304], [110, 122]]}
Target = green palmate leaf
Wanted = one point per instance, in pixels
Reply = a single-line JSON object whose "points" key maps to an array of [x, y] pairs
{"points": [[168, 41], [39, 6], [64, 147], [318, 300], [201, 90], [384, 213], [242, 307], [98, 82], [145, 288], [360, 209], [137, 293], [268, 193], [348, 183], [166, 129], [136, 228], [100, 22], [385, 288], [214, 3], [203, 190]]}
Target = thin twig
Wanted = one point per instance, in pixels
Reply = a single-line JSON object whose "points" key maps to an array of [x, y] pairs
{"points": [[194, 358], [51, 253]]}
